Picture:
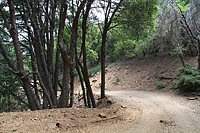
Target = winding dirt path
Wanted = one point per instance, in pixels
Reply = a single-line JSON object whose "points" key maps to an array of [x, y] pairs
{"points": [[152, 112]]}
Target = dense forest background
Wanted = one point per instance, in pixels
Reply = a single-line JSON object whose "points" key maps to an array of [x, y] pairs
{"points": [[44, 44]]}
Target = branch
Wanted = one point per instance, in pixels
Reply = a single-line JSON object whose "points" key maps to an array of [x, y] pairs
{"points": [[10, 69], [4, 19], [187, 26], [29, 73], [6, 57]]}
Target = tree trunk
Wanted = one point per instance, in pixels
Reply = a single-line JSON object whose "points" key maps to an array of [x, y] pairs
{"points": [[46, 77], [103, 64], [71, 88], [34, 102], [85, 70], [107, 23], [198, 54], [64, 97], [81, 80], [56, 71]]}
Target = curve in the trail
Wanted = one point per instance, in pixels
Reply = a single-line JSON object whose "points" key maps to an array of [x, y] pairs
{"points": [[157, 113]]}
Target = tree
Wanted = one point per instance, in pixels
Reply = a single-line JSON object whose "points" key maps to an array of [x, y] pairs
{"points": [[134, 16]]}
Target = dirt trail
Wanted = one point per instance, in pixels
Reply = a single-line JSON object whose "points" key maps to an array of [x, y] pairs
{"points": [[152, 112]]}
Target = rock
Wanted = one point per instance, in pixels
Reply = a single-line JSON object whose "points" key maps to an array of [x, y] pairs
{"points": [[109, 101], [123, 106], [118, 68], [127, 67], [161, 121], [192, 98], [58, 125], [101, 103], [102, 115], [94, 80]]}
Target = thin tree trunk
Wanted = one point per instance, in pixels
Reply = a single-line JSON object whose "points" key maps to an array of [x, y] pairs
{"points": [[88, 99], [85, 70], [107, 24], [56, 71], [103, 64], [64, 97], [198, 54], [81, 80], [180, 53], [42, 55], [34, 102], [71, 88]]}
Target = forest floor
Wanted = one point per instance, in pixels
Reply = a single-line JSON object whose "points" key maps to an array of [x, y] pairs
{"points": [[138, 105]]}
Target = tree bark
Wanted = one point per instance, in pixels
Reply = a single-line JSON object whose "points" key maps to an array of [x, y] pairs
{"points": [[106, 27], [198, 54], [41, 56], [85, 70], [71, 88], [63, 101], [34, 102]]}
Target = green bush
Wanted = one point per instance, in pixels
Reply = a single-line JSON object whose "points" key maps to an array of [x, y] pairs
{"points": [[96, 69], [161, 85], [188, 79]]}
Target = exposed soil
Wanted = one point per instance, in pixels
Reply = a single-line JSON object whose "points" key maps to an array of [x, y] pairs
{"points": [[59, 120], [153, 112], [142, 74], [139, 106]]}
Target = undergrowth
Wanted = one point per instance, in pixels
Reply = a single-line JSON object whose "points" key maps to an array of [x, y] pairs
{"points": [[161, 85], [95, 69], [188, 79]]}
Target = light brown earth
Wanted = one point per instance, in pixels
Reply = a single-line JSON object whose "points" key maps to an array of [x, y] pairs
{"points": [[138, 108], [152, 112]]}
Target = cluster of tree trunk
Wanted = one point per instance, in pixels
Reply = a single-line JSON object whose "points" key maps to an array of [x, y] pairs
{"points": [[39, 24]]}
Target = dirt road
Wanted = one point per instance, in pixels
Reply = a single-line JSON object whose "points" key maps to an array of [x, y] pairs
{"points": [[152, 112]]}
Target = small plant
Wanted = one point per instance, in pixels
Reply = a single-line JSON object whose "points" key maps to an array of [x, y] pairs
{"points": [[161, 85], [117, 79]]}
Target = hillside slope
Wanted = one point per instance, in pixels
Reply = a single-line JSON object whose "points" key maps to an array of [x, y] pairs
{"points": [[142, 74]]}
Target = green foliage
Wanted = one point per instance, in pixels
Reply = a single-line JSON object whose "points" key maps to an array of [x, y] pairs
{"points": [[125, 48], [117, 79], [183, 4], [179, 50], [92, 55], [139, 16], [11, 93], [161, 85], [188, 79], [95, 69], [137, 30]]}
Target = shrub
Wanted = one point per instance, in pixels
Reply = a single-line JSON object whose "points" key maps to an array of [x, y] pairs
{"points": [[188, 79], [161, 85], [96, 69]]}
